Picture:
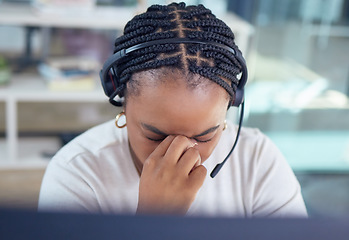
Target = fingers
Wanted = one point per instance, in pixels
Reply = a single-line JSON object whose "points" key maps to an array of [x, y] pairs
{"points": [[177, 148], [190, 164], [197, 177], [162, 148], [175, 151], [189, 160], [171, 177]]}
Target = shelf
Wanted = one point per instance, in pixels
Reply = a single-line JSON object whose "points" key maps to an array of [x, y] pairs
{"points": [[31, 152], [99, 17], [31, 87]]}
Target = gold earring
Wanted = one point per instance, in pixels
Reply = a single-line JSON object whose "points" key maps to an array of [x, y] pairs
{"points": [[117, 120], [225, 125]]}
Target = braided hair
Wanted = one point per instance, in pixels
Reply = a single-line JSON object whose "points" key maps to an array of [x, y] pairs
{"points": [[177, 20]]}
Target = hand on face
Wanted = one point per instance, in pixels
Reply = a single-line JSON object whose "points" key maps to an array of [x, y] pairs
{"points": [[171, 177]]}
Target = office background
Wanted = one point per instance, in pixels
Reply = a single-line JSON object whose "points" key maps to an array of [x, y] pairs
{"points": [[297, 52]]}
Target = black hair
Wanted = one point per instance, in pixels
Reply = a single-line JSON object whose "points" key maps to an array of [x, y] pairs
{"points": [[177, 20]]}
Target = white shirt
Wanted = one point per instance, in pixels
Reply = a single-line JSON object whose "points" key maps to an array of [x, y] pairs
{"points": [[95, 173]]}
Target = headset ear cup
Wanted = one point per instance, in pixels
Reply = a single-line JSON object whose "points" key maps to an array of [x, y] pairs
{"points": [[108, 80], [239, 94], [108, 74], [239, 97]]}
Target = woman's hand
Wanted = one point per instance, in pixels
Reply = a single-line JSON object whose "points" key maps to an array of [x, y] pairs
{"points": [[171, 177]]}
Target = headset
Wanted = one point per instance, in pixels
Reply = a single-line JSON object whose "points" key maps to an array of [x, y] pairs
{"points": [[113, 85]]}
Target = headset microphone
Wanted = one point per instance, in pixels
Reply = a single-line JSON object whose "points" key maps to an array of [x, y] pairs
{"points": [[220, 165], [113, 85]]}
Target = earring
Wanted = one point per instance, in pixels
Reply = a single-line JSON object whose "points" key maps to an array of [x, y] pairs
{"points": [[225, 125], [117, 120]]}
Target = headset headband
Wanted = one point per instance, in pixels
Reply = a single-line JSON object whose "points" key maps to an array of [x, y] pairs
{"points": [[111, 89]]}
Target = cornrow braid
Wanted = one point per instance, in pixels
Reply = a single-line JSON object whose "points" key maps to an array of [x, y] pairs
{"points": [[177, 20]]}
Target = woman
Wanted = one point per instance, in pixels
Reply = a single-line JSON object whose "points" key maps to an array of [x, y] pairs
{"points": [[174, 71]]}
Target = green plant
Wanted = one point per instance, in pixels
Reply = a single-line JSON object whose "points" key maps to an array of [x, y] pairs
{"points": [[5, 73], [3, 63]]}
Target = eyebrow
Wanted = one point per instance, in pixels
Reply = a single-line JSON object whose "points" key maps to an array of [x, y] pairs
{"points": [[159, 132]]}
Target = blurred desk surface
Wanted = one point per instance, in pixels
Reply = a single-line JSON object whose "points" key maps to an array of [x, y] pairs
{"points": [[314, 151]]}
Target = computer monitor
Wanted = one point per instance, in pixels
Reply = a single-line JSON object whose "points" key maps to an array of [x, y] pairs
{"points": [[16, 224]]}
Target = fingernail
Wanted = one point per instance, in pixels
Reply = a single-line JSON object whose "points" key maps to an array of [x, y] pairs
{"points": [[193, 145]]}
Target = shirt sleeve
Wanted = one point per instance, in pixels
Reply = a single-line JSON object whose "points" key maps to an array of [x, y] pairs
{"points": [[277, 192], [64, 188]]}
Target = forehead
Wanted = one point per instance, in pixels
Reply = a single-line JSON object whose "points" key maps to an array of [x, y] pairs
{"points": [[169, 104]]}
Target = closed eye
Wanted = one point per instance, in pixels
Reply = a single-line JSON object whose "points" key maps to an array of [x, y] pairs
{"points": [[156, 140], [161, 139], [202, 141], [162, 135]]}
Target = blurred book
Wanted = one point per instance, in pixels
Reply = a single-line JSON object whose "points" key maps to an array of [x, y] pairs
{"points": [[70, 73]]}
